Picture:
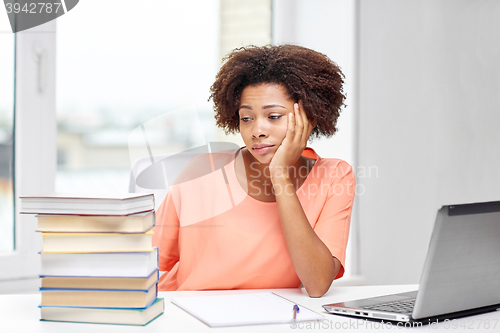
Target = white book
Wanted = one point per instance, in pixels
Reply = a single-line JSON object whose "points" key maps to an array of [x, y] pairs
{"points": [[87, 204], [131, 264], [244, 309]]}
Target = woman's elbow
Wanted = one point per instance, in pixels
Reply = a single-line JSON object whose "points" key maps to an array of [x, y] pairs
{"points": [[319, 289], [317, 292]]}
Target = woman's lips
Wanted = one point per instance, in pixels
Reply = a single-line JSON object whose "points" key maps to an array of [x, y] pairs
{"points": [[262, 150]]}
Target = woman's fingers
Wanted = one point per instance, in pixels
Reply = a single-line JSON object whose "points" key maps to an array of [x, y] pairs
{"points": [[299, 121], [307, 127], [290, 133], [298, 126]]}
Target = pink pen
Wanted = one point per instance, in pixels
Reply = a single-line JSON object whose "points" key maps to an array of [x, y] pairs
{"points": [[295, 311]]}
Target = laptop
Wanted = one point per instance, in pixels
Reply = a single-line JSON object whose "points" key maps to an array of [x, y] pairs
{"points": [[461, 274]]}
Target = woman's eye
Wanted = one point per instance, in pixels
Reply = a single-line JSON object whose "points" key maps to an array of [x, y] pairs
{"points": [[245, 119], [275, 117]]}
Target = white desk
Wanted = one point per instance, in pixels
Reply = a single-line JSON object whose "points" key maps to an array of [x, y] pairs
{"points": [[20, 313]]}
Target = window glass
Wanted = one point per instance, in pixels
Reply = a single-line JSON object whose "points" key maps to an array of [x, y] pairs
{"points": [[131, 85], [7, 51], [118, 69]]}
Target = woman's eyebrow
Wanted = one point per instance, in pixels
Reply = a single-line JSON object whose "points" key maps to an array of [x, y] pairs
{"points": [[273, 106], [269, 106]]}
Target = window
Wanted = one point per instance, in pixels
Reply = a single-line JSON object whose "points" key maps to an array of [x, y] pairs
{"points": [[124, 70], [127, 70], [7, 47], [32, 91]]}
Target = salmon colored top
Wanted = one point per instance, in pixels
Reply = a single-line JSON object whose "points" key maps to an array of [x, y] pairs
{"points": [[212, 235]]}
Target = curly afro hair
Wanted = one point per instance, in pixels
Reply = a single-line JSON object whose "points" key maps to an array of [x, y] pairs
{"points": [[307, 75]]}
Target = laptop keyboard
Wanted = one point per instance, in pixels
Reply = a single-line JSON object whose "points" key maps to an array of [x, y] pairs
{"points": [[398, 306]]}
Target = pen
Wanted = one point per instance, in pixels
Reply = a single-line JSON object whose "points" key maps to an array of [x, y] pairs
{"points": [[295, 311]]}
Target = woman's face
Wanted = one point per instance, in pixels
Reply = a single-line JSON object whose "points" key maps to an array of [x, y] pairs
{"points": [[263, 115]]}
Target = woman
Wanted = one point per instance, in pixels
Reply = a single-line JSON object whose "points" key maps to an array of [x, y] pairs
{"points": [[274, 214]]}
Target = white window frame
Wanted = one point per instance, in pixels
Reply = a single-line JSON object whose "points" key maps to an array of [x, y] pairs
{"points": [[35, 144]]}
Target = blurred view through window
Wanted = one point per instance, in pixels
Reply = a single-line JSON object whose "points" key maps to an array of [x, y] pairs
{"points": [[121, 64], [7, 52]]}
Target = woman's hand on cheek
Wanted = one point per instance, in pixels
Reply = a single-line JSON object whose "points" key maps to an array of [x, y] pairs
{"points": [[295, 141]]}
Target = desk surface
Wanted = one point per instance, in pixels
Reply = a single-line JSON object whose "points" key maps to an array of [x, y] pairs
{"points": [[20, 313]]}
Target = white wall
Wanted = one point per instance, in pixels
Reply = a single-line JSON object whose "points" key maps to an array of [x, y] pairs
{"points": [[429, 121]]}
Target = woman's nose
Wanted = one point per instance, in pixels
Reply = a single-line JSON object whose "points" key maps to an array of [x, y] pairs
{"points": [[260, 129]]}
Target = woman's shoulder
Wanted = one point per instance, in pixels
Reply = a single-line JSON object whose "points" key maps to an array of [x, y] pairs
{"points": [[331, 168], [335, 162], [324, 164]]}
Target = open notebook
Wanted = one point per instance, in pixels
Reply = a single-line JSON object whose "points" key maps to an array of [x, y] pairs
{"points": [[244, 309]]}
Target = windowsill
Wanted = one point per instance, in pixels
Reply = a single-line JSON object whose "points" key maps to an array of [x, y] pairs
{"points": [[20, 286]]}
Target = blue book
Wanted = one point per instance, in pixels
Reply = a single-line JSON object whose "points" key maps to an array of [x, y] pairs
{"points": [[99, 298], [119, 316], [84, 282]]}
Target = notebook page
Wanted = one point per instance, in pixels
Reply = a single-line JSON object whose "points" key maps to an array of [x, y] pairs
{"points": [[244, 309]]}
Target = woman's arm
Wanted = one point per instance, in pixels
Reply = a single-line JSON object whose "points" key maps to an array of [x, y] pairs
{"points": [[314, 264]]}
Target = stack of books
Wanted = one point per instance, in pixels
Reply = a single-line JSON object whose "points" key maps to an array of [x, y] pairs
{"points": [[98, 263]]}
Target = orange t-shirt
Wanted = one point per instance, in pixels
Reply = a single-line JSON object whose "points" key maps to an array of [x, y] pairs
{"points": [[212, 235]]}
